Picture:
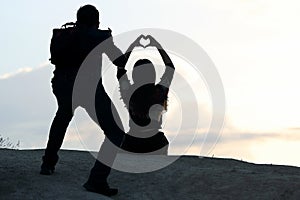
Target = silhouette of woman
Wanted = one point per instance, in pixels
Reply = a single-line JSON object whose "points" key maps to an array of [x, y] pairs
{"points": [[146, 102]]}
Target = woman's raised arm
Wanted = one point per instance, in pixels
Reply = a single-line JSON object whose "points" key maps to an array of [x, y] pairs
{"points": [[167, 77]]}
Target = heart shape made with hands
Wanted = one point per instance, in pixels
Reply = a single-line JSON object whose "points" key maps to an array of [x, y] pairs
{"points": [[145, 41]]}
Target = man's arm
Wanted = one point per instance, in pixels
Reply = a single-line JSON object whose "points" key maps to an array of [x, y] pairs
{"points": [[117, 57], [115, 54]]}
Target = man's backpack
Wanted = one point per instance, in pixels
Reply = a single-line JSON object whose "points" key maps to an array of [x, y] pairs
{"points": [[63, 44]]}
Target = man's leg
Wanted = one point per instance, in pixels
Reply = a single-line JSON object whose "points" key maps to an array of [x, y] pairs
{"points": [[110, 122], [57, 132]]}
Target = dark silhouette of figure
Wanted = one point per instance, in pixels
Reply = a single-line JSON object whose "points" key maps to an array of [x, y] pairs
{"points": [[146, 102], [69, 48]]}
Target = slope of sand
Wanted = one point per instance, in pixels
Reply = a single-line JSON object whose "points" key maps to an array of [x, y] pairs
{"points": [[187, 178]]}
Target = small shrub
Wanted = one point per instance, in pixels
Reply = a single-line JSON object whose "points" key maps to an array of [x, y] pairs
{"points": [[5, 143]]}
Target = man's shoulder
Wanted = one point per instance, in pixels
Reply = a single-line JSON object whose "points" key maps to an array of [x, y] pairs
{"points": [[98, 33]]}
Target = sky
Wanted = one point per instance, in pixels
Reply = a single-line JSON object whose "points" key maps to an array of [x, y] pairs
{"points": [[253, 44]]}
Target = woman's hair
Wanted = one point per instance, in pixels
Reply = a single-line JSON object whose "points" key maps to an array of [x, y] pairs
{"points": [[88, 15], [144, 72]]}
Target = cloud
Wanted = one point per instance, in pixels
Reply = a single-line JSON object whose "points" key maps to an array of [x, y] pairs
{"points": [[294, 128], [19, 71], [23, 70], [27, 105]]}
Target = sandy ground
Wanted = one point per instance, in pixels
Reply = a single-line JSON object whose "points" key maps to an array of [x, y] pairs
{"points": [[187, 178]]}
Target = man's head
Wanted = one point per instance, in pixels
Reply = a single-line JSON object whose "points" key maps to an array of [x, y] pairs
{"points": [[143, 72], [88, 15]]}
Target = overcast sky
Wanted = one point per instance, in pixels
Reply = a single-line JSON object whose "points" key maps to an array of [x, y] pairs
{"points": [[254, 45]]}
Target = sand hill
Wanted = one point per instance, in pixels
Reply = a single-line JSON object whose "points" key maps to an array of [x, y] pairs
{"points": [[187, 178]]}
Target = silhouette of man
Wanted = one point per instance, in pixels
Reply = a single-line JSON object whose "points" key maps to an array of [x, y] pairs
{"points": [[85, 37], [146, 102]]}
